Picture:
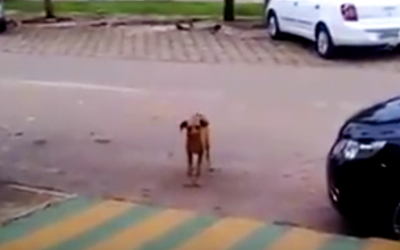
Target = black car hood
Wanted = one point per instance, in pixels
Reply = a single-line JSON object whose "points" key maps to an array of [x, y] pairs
{"points": [[383, 112], [379, 121]]}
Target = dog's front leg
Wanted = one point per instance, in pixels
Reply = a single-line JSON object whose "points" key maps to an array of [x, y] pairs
{"points": [[208, 159], [189, 164], [199, 164], [191, 182]]}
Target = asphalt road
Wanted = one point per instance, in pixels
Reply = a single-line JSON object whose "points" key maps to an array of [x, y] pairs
{"points": [[271, 128]]}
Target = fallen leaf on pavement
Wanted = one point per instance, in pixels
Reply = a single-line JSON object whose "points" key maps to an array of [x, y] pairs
{"points": [[102, 140], [287, 175], [40, 141], [218, 208], [19, 133], [146, 190]]}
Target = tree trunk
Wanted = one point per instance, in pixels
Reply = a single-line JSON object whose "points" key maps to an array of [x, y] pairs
{"points": [[229, 10], [49, 9]]}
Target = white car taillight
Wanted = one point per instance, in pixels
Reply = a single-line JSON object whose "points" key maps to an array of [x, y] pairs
{"points": [[349, 12]]}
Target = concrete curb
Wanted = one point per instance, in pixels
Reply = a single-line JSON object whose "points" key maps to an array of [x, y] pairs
{"points": [[32, 210], [58, 197]]}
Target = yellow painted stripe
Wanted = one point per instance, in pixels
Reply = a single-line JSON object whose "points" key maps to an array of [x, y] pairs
{"points": [[152, 228], [300, 239], [381, 244], [222, 235], [68, 228]]}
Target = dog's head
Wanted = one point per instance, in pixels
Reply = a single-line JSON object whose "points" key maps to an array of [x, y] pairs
{"points": [[195, 124]]}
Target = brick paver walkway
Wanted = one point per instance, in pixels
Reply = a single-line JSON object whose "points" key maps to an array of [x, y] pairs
{"points": [[133, 42]]}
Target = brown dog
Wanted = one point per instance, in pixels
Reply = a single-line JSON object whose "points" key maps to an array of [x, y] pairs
{"points": [[197, 143]]}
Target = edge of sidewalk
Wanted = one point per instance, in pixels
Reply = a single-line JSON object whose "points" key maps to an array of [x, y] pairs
{"points": [[60, 197]]}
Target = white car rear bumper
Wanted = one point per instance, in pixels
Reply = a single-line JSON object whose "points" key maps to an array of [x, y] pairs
{"points": [[366, 34]]}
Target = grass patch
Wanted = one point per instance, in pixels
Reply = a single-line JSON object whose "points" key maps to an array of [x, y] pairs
{"points": [[146, 7]]}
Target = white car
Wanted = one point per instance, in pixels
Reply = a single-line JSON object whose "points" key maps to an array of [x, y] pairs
{"points": [[333, 23]]}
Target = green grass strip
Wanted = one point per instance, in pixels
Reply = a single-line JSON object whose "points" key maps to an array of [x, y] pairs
{"points": [[146, 7]]}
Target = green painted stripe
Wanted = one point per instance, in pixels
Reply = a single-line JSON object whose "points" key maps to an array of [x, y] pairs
{"points": [[42, 218], [343, 243], [261, 239], [108, 229], [180, 234]]}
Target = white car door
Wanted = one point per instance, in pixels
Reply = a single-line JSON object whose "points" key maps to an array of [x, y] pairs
{"points": [[307, 15], [284, 12]]}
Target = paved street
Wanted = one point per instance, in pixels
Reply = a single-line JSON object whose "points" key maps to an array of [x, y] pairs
{"points": [[83, 111], [270, 131], [93, 224]]}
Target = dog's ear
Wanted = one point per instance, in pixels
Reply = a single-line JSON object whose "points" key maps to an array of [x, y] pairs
{"points": [[204, 123], [183, 125]]}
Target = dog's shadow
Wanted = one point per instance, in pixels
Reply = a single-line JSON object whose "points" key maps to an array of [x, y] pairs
{"points": [[219, 193], [176, 181], [190, 183]]}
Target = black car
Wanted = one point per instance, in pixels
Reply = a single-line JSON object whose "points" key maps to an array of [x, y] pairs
{"points": [[363, 166]]}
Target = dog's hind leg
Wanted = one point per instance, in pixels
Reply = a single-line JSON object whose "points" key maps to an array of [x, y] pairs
{"points": [[189, 164], [199, 164], [196, 182], [189, 172]]}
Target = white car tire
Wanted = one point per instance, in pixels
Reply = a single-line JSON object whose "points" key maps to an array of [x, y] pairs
{"points": [[323, 43], [273, 26]]}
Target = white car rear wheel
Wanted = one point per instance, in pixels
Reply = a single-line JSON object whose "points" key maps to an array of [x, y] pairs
{"points": [[323, 44]]}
